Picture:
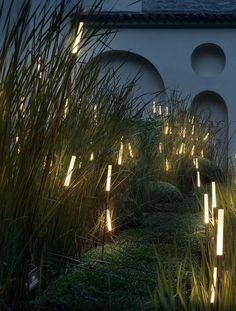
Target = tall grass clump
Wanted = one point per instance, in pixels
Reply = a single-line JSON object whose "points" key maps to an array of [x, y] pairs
{"points": [[53, 105]]}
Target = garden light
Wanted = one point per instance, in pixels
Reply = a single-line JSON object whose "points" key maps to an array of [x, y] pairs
{"points": [[184, 132], [108, 185], [154, 109], [202, 153], [220, 232], [66, 107], [206, 209], [160, 147], [130, 150], [69, 172], [120, 155], [206, 137], [75, 48], [193, 150], [196, 163], [213, 286], [193, 129], [198, 179], [159, 110], [108, 216], [166, 129], [167, 165], [213, 193], [91, 156]]}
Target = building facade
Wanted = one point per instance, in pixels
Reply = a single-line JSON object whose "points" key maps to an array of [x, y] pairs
{"points": [[187, 45]]}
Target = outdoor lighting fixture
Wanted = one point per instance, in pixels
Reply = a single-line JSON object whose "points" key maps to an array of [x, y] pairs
{"points": [[206, 137], [184, 132], [193, 129], [196, 163], [66, 107], [160, 147], [154, 109], [108, 185], [130, 150], [167, 165], [108, 216], [213, 286], [220, 231], [193, 150], [39, 65], [202, 153], [167, 110], [75, 48], [181, 149], [120, 155], [69, 172], [198, 179], [159, 110], [206, 209], [166, 129], [213, 192], [91, 156]]}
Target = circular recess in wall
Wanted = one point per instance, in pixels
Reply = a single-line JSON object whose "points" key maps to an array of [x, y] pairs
{"points": [[208, 60]]}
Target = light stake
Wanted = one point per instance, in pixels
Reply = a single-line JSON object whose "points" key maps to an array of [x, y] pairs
{"points": [[130, 150], [220, 232], [108, 184], [213, 286], [75, 48], [120, 155], [69, 172], [206, 214], [213, 195], [198, 179], [108, 216]]}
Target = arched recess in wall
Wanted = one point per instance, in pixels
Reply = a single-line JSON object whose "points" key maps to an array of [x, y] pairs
{"points": [[213, 105], [127, 66]]}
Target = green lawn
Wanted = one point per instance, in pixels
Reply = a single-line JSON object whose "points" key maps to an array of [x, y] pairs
{"points": [[125, 277]]}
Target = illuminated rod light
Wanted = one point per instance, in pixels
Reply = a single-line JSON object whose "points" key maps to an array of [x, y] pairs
{"points": [[167, 111], [108, 215], [192, 120], [80, 165], [206, 137], [108, 185], [69, 172], [160, 147], [66, 108], [206, 209], [154, 109], [39, 69], [213, 194], [17, 139], [193, 129], [220, 232], [120, 155], [202, 153], [130, 150], [167, 165], [193, 150], [95, 113], [181, 149], [159, 110], [166, 129], [196, 163], [184, 132], [91, 156], [213, 286], [170, 131], [75, 48], [198, 179]]}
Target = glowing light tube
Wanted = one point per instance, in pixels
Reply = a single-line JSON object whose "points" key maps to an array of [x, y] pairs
{"points": [[206, 209], [213, 286], [108, 185], [213, 193], [75, 48], [120, 155], [198, 179], [220, 232], [69, 172], [109, 226], [130, 150], [196, 163]]}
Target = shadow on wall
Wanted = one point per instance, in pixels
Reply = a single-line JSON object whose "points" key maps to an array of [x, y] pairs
{"points": [[213, 106], [129, 66]]}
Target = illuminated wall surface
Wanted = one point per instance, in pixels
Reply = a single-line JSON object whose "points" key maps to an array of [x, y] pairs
{"points": [[197, 58]]}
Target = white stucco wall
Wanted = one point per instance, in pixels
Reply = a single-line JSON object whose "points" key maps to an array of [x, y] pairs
{"points": [[170, 50]]}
